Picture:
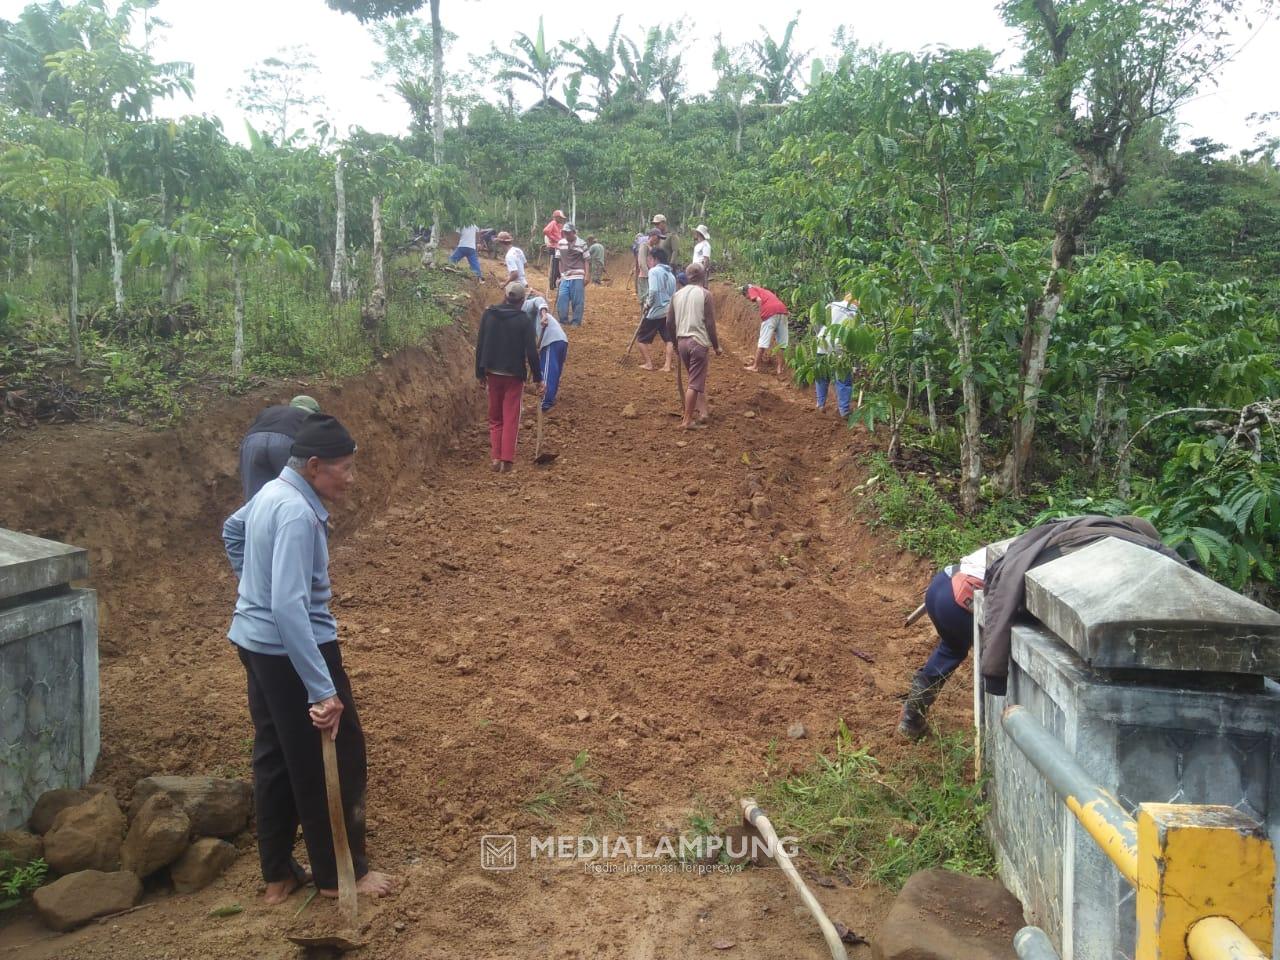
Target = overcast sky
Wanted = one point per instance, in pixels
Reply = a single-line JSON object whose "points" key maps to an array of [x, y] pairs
{"points": [[224, 39]]}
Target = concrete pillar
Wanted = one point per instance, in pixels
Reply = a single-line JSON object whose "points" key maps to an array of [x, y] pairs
{"points": [[1153, 678], [49, 734]]}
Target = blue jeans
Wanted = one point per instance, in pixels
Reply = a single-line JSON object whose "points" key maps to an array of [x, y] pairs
{"points": [[844, 392], [954, 625], [553, 357], [473, 258], [572, 294]]}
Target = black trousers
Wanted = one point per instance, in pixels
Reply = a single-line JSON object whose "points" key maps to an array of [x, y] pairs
{"points": [[262, 457], [288, 769], [553, 274]]}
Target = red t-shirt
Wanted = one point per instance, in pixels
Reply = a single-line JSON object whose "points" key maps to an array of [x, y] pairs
{"points": [[770, 305], [551, 233]]}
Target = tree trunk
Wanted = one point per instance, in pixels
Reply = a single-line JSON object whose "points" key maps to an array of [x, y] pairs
{"points": [[175, 280], [340, 234], [971, 424], [1101, 426], [573, 201], [1121, 439], [73, 308], [31, 254], [437, 118], [928, 395], [237, 283], [379, 273]]}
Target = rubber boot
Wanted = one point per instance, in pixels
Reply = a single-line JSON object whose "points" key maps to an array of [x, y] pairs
{"points": [[915, 709]]}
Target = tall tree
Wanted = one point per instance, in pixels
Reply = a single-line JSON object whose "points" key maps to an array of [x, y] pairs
{"points": [[531, 61], [279, 90], [734, 84], [408, 56], [777, 65], [1106, 69], [597, 64]]}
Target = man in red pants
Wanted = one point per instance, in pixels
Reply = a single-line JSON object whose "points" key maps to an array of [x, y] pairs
{"points": [[506, 355]]}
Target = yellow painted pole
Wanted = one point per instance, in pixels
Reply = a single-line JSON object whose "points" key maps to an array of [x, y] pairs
{"points": [[1217, 938]]}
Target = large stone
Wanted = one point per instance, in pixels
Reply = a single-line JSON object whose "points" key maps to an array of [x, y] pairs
{"points": [[1122, 606], [53, 802], [158, 836], [205, 861], [940, 915], [22, 846], [216, 807], [79, 897], [86, 837]]}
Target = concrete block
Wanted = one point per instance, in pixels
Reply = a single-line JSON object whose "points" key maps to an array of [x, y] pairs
{"points": [[1121, 606], [28, 564]]}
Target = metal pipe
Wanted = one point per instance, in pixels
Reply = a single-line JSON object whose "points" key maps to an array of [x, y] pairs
{"points": [[1217, 938], [1032, 943], [1097, 809]]}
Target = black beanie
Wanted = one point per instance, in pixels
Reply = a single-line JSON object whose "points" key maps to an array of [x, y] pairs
{"points": [[321, 435]]}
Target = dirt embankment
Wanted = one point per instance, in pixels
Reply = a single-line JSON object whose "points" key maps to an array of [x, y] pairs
{"points": [[132, 495]]}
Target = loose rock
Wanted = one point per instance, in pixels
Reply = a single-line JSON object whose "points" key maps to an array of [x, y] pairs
{"points": [[629, 412], [761, 508], [79, 897], [86, 837], [53, 802], [932, 919], [216, 807], [797, 731], [205, 861], [158, 836]]}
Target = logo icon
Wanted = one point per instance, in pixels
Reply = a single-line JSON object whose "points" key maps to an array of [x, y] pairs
{"points": [[498, 852]]}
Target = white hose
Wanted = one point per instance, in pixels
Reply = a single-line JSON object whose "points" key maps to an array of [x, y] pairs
{"points": [[752, 813]]}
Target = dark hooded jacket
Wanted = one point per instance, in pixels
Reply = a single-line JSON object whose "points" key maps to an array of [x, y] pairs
{"points": [[1006, 591]]}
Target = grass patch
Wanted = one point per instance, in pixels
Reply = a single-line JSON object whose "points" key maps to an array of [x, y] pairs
{"points": [[18, 880], [578, 789], [924, 521], [853, 816]]}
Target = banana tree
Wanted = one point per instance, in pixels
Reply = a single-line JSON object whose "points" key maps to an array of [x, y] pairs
{"points": [[530, 60], [598, 64]]}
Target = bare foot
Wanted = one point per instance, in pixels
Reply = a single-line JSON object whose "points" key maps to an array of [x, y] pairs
{"points": [[750, 368], [372, 884], [664, 369], [279, 891], [646, 366]]}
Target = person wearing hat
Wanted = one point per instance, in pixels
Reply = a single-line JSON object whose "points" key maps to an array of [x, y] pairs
{"points": [[514, 258], [595, 255], [667, 238], [506, 355], [640, 253], [287, 641], [265, 448], [572, 298], [702, 247], [551, 235]]}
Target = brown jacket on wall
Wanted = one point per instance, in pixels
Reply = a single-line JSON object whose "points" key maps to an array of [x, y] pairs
{"points": [[1006, 587]]}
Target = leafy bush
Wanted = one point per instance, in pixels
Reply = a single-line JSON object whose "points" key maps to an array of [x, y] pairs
{"points": [[16, 881], [852, 815]]}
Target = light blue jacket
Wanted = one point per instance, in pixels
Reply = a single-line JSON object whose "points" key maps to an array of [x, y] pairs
{"points": [[278, 545]]}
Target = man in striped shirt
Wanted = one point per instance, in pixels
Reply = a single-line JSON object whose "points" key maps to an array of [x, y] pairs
{"points": [[573, 277]]}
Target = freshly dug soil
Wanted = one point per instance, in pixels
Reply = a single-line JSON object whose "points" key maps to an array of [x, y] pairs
{"points": [[628, 600]]}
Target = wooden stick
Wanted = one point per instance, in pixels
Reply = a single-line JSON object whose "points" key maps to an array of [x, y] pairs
{"points": [[913, 616], [863, 656], [752, 813], [338, 823]]}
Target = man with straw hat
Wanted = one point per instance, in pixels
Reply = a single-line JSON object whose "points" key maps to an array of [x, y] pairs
{"points": [[514, 258], [702, 247], [265, 448]]}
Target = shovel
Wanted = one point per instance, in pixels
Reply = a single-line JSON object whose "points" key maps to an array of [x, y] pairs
{"points": [[347, 903], [623, 359]]}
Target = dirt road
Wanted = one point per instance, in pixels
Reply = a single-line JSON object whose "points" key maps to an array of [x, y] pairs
{"points": [[622, 602]]}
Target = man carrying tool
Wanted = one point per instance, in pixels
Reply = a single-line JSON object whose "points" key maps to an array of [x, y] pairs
{"points": [[551, 235], [506, 354], [691, 321], [513, 257], [553, 345], [572, 295], [467, 248], [288, 643], [773, 327], [265, 448], [661, 284]]}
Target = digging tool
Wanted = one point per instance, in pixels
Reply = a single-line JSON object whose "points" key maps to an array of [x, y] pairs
{"points": [[753, 815], [913, 616], [623, 359], [338, 824]]}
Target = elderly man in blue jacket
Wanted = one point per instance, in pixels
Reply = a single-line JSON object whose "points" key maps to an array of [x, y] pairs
{"points": [[288, 642]]}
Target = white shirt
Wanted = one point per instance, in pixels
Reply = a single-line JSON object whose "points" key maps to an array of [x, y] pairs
{"points": [[974, 565], [702, 252], [516, 261], [840, 311], [467, 236]]}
